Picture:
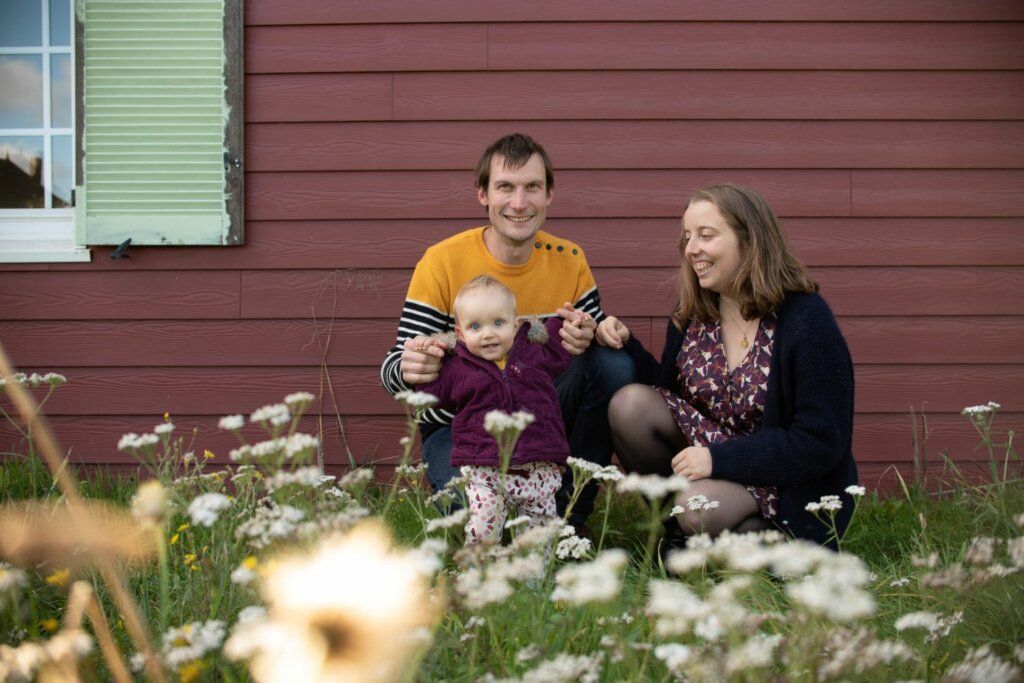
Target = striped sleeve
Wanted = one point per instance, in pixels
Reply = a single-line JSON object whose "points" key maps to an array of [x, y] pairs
{"points": [[588, 299], [417, 319]]}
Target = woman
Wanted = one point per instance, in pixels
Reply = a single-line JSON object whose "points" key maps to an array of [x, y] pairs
{"points": [[753, 397]]}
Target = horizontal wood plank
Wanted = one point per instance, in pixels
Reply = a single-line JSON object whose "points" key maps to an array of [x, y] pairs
{"points": [[105, 295], [626, 144], [444, 194], [323, 97], [305, 342], [357, 390], [382, 47], [938, 193], [622, 242], [262, 12], [755, 45], [374, 439], [977, 95]]}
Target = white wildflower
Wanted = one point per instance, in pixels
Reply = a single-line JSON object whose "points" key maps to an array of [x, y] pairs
{"points": [[981, 410], [132, 441], [191, 642], [270, 523], [539, 535], [1015, 549], [149, 504], [829, 503], [275, 413], [11, 578], [566, 668], [206, 508], [674, 605], [899, 583], [356, 477], [245, 573], [163, 428], [686, 561], [497, 423], [983, 666], [54, 379], [582, 465], [757, 652], [652, 486], [674, 655], [981, 551], [310, 477], [609, 473], [937, 625], [596, 581], [428, 556], [856, 491], [835, 589], [299, 399], [700, 503], [456, 519], [518, 521], [251, 614], [492, 583], [232, 422], [573, 547], [528, 653], [416, 399], [1019, 520]]}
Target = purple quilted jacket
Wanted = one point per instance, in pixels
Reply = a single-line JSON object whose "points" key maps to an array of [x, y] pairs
{"points": [[472, 387]]}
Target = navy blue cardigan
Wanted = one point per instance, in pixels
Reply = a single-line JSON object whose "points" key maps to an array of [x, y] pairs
{"points": [[803, 443]]}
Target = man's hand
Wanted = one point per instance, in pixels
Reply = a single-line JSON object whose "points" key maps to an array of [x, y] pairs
{"points": [[693, 463], [577, 329], [421, 360], [612, 333]]}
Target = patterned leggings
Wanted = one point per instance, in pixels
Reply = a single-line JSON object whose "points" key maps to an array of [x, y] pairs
{"points": [[530, 488]]}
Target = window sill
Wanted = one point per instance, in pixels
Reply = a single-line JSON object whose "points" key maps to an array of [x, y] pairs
{"points": [[73, 255]]}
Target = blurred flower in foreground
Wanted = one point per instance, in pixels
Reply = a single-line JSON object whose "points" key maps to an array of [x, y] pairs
{"points": [[37, 532], [149, 504], [351, 610]]}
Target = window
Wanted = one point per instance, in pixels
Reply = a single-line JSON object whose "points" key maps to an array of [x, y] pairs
{"points": [[37, 132], [147, 146]]}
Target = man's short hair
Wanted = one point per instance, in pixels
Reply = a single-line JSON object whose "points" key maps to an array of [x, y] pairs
{"points": [[516, 149], [483, 282]]}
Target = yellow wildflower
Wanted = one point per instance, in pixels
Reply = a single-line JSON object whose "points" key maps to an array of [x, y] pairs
{"points": [[190, 558], [59, 578], [167, 417], [183, 526], [208, 454], [174, 539], [49, 625], [250, 562], [191, 671]]}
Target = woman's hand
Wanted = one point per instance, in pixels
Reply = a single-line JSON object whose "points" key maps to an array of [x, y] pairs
{"points": [[612, 333], [693, 463]]}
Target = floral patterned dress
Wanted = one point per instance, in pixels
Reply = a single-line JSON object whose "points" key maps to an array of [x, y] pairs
{"points": [[715, 403]]}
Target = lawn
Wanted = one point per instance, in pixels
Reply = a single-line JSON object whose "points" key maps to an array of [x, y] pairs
{"points": [[270, 569]]}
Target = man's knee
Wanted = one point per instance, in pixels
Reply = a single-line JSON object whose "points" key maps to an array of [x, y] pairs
{"points": [[437, 454], [610, 369]]}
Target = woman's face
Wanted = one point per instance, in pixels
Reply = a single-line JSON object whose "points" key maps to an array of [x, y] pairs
{"points": [[712, 247]]}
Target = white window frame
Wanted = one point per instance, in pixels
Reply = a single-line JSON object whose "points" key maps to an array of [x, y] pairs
{"points": [[45, 235]]}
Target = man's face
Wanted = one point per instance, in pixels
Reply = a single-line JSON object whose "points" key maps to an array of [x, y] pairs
{"points": [[516, 201]]}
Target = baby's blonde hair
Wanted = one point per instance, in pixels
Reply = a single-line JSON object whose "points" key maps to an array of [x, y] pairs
{"points": [[483, 282]]}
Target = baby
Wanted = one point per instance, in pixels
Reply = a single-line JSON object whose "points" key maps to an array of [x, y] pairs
{"points": [[503, 364]]}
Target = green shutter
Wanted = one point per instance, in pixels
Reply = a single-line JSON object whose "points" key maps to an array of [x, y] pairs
{"points": [[156, 116]]}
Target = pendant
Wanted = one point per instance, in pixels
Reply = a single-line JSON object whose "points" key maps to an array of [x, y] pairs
{"points": [[745, 343]]}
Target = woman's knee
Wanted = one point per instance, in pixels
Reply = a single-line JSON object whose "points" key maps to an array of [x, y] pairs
{"points": [[629, 404]]}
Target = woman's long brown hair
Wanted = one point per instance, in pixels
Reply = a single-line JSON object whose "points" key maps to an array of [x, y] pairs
{"points": [[768, 269]]}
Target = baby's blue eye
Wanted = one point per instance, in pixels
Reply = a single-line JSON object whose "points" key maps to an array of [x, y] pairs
{"points": [[498, 323], [474, 326]]}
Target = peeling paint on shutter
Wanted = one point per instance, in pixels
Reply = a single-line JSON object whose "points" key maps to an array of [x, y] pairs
{"points": [[155, 119]]}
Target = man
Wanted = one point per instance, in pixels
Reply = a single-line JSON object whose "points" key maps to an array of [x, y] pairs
{"points": [[515, 183]]}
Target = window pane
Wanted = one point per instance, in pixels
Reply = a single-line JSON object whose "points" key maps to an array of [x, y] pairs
{"points": [[60, 156], [21, 91], [21, 178], [60, 91], [21, 23], [60, 22]]}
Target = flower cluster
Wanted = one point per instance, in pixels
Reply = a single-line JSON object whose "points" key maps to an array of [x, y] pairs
{"points": [[498, 423], [205, 509], [651, 486], [53, 379], [596, 581]]}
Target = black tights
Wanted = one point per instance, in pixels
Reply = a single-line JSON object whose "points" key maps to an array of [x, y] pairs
{"points": [[646, 438]]}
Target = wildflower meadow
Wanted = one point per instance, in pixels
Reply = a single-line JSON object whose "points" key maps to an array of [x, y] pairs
{"points": [[269, 569]]}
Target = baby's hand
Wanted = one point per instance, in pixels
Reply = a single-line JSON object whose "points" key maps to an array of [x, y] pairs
{"points": [[612, 333]]}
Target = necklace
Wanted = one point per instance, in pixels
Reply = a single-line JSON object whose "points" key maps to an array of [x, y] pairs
{"points": [[746, 340]]}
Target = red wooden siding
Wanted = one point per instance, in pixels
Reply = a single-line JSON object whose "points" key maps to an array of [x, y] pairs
{"points": [[889, 136]]}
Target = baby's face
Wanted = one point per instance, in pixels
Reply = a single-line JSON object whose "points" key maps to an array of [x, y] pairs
{"points": [[486, 324]]}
